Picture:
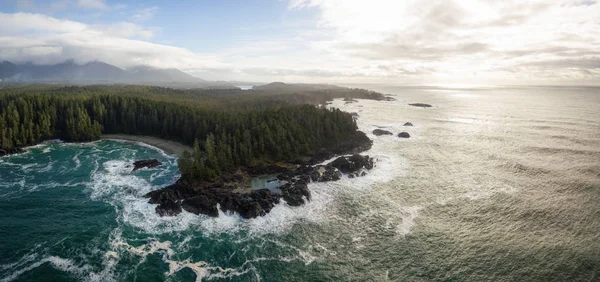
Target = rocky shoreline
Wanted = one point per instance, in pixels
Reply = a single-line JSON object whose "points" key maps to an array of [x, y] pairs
{"points": [[232, 193]]}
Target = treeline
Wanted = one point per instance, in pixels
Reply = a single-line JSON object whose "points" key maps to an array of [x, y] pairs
{"points": [[223, 135]]}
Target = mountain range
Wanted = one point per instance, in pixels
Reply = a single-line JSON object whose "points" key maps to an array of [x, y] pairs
{"points": [[96, 72]]}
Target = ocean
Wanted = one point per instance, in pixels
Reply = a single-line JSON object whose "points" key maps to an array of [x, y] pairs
{"points": [[495, 184]]}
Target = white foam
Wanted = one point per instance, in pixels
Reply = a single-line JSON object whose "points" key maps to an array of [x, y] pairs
{"points": [[59, 263], [76, 160], [142, 144]]}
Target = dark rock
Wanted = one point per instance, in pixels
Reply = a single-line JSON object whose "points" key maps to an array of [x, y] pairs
{"points": [[230, 194], [379, 132], [150, 163], [352, 164], [6, 152], [422, 105], [201, 205], [325, 174], [403, 135], [408, 124], [259, 203], [295, 193], [168, 208], [357, 143]]}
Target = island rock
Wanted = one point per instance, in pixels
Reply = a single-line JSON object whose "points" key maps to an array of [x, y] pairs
{"points": [[379, 132], [408, 124], [403, 135], [422, 105], [150, 163]]}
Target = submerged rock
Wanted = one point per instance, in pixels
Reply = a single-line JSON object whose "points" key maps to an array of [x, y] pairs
{"points": [[422, 105], [150, 163], [408, 124], [403, 135], [379, 132]]}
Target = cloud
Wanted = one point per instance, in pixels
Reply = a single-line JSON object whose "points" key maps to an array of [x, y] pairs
{"points": [[92, 4], [459, 38], [414, 41], [27, 37], [144, 14]]}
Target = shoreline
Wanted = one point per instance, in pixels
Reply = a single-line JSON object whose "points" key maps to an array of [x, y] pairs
{"points": [[170, 147]]}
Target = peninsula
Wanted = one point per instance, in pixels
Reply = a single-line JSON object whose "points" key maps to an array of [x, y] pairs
{"points": [[223, 137]]}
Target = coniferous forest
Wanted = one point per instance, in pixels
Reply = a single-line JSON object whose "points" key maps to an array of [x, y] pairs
{"points": [[226, 128]]}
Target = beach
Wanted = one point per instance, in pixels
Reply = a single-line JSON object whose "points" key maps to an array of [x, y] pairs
{"points": [[170, 147]]}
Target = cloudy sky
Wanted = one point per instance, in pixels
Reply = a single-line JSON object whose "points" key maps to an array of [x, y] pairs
{"points": [[335, 41]]}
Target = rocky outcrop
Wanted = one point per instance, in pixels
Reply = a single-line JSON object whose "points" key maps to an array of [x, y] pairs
{"points": [[150, 163], [379, 132], [422, 105], [349, 101], [359, 142], [6, 152], [403, 135], [352, 164], [295, 193], [408, 124], [231, 194]]}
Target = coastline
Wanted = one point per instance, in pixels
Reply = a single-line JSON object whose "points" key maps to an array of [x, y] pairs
{"points": [[170, 147]]}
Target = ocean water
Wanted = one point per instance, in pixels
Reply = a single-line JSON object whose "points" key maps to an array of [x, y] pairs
{"points": [[495, 184]]}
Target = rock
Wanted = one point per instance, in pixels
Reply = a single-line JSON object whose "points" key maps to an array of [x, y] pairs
{"points": [[408, 124], [168, 208], [230, 192], [422, 105], [352, 164], [201, 205], [403, 135], [6, 152], [295, 193], [324, 174], [379, 132], [259, 204], [150, 163]]}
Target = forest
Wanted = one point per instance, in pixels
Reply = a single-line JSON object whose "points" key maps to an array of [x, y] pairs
{"points": [[226, 128]]}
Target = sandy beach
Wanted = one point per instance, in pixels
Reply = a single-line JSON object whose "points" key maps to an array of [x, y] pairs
{"points": [[170, 147]]}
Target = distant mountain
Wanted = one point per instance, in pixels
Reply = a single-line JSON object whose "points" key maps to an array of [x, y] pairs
{"points": [[295, 87], [8, 69], [147, 73], [96, 72]]}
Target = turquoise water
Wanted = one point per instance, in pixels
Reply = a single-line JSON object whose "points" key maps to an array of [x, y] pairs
{"points": [[499, 184]]}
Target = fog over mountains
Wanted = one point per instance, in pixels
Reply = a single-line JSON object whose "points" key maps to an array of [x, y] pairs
{"points": [[96, 72]]}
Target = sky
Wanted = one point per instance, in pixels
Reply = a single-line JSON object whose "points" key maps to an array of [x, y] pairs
{"points": [[392, 42]]}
